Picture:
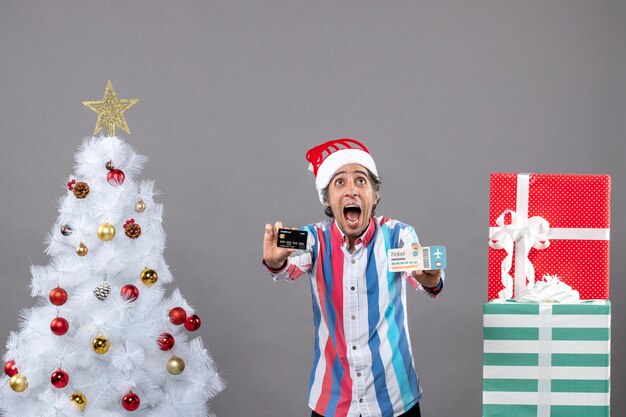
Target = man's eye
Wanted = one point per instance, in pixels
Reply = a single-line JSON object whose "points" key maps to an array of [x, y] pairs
{"points": [[361, 181], [339, 182]]}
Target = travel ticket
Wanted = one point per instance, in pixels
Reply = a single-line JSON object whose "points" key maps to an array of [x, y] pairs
{"points": [[410, 259]]}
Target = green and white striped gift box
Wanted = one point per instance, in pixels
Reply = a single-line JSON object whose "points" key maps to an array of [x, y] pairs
{"points": [[546, 360]]}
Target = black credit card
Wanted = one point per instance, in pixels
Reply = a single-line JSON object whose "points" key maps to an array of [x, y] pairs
{"points": [[292, 239]]}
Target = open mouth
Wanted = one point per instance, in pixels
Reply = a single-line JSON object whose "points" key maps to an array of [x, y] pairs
{"points": [[352, 214]]}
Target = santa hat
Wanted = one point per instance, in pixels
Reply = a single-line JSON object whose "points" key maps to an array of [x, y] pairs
{"points": [[327, 158]]}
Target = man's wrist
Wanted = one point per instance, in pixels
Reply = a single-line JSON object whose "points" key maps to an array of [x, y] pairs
{"points": [[274, 268], [433, 287], [436, 289]]}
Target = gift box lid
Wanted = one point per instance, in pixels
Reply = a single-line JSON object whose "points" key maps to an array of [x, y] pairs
{"points": [[565, 200]]}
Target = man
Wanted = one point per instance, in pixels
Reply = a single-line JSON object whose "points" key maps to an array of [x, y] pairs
{"points": [[363, 364]]}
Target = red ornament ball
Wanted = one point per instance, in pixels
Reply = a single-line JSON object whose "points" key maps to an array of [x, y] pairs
{"points": [[192, 323], [165, 341], [131, 401], [116, 177], [58, 296], [178, 315], [59, 326], [10, 368], [59, 378], [129, 292]]}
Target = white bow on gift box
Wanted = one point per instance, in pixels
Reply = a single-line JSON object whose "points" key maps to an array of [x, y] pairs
{"points": [[521, 235]]}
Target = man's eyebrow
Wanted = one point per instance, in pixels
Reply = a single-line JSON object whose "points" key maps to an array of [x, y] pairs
{"points": [[337, 173], [362, 173]]}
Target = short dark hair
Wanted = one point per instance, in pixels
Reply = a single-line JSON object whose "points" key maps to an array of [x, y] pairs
{"points": [[376, 183]]}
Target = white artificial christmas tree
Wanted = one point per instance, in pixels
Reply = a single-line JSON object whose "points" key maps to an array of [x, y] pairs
{"points": [[103, 340]]}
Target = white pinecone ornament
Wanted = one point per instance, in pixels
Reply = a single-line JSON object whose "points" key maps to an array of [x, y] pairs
{"points": [[102, 291]]}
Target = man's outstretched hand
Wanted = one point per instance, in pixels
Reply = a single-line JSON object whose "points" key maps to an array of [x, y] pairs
{"points": [[274, 256]]}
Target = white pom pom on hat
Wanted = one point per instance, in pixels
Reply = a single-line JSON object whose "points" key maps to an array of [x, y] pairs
{"points": [[327, 158]]}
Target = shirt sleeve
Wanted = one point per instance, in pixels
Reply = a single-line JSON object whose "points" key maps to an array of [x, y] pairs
{"points": [[408, 237], [298, 263]]}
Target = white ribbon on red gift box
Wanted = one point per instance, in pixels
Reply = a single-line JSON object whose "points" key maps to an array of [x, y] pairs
{"points": [[525, 233]]}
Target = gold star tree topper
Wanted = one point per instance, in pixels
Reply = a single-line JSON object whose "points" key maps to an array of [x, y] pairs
{"points": [[111, 111]]}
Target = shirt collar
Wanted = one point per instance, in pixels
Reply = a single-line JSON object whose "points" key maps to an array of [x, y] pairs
{"points": [[339, 237]]}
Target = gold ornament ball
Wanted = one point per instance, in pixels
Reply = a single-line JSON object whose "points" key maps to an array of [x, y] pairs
{"points": [[175, 365], [101, 345], [18, 383], [106, 232], [82, 250], [140, 206], [149, 277], [79, 399]]}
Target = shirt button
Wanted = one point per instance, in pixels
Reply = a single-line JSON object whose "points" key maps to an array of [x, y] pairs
{"points": [[360, 400], [353, 347], [358, 374], [353, 261], [353, 317], [352, 288]]}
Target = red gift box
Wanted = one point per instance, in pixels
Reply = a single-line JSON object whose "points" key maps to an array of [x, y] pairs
{"points": [[555, 224]]}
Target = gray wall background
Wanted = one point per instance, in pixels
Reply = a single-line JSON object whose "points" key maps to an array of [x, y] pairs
{"points": [[233, 93]]}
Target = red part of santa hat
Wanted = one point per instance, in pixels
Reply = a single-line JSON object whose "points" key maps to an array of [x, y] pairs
{"points": [[327, 158]]}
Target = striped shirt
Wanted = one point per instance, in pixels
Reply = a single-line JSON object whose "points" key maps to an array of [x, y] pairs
{"points": [[363, 364]]}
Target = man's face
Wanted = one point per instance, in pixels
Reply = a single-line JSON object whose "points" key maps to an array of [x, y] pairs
{"points": [[352, 198]]}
